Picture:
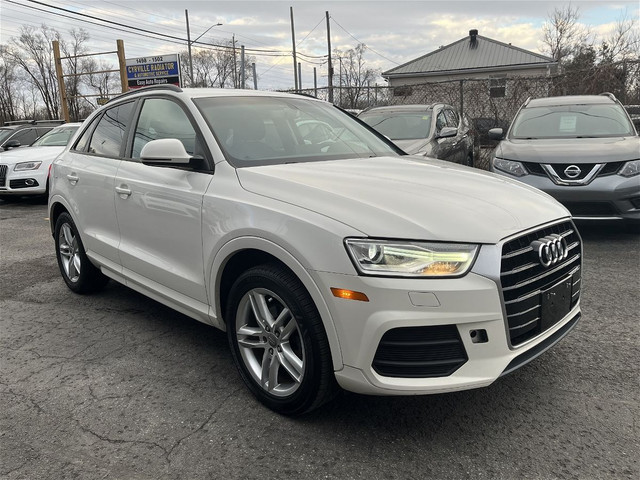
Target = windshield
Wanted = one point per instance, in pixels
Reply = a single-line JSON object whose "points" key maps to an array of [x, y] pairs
{"points": [[272, 130], [571, 121], [399, 125], [58, 137]]}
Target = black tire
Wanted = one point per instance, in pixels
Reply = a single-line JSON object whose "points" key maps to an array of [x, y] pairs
{"points": [[80, 275], [299, 336]]}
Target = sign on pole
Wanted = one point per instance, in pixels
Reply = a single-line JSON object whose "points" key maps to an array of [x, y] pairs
{"points": [[153, 70]]}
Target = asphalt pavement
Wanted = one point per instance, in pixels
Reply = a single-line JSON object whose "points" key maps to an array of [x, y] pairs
{"points": [[117, 386]]}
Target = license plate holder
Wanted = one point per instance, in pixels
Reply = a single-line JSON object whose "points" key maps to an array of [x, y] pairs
{"points": [[556, 303]]}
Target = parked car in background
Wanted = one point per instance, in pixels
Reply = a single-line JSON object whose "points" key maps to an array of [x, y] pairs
{"points": [[435, 130], [582, 150], [24, 132], [634, 114], [25, 171], [327, 255]]}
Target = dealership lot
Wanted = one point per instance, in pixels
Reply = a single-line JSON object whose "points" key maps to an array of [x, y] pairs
{"points": [[115, 385]]}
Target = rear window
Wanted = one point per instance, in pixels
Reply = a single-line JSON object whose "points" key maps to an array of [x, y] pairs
{"points": [[571, 121]]}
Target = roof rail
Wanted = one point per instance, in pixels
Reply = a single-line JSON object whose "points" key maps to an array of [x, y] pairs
{"points": [[610, 95], [49, 122], [166, 86], [20, 122], [526, 102]]}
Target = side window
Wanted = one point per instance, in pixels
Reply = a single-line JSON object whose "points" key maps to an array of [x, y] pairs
{"points": [[452, 118], [26, 136], [83, 141], [109, 133], [163, 118]]}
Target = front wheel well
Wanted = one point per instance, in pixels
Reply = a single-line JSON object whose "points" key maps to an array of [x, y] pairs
{"points": [[56, 210], [238, 263]]}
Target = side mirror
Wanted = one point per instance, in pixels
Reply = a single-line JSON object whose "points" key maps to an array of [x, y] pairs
{"points": [[12, 144], [448, 132], [496, 134], [166, 151]]}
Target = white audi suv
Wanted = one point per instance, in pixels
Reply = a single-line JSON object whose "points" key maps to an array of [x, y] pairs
{"points": [[328, 256]]}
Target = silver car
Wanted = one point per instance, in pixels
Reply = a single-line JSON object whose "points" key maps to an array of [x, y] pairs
{"points": [[582, 150]]}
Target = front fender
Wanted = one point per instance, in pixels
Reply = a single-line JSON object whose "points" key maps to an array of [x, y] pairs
{"points": [[256, 243]]}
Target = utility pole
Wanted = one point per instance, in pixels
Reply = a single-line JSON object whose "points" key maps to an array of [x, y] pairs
{"points": [[340, 82], [242, 67], [299, 77], [315, 82], [255, 78], [186, 14], [330, 64], [293, 41], [235, 67]]}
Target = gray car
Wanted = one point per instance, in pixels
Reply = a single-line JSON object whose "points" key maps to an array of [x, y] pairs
{"points": [[582, 150], [435, 130]]}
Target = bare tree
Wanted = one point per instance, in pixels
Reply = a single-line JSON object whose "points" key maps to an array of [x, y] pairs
{"points": [[8, 86], [32, 52], [213, 67], [563, 35], [623, 43], [74, 68], [354, 75]]}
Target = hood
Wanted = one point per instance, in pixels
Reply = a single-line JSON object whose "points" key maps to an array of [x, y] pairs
{"points": [[412, 146], [571, 150], [407, 197], [30, 154]]}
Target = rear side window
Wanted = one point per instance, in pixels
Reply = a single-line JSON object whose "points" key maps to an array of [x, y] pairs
{"points": [[161, 118], [26, 136], [109, 133]]}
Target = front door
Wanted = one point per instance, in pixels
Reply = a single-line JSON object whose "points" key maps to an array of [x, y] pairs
{"points": [[159, 209]]}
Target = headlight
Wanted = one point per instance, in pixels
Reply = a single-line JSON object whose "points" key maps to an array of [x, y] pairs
{"points": [[630, 169], [513, 168], [411, 259], [26, 166]]}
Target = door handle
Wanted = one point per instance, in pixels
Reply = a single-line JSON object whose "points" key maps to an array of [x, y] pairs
{"points": [[73, 179], [123, 191]]}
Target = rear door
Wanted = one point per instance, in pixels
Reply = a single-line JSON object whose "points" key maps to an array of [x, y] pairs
{"points": [[86, 177], [159, 208]]}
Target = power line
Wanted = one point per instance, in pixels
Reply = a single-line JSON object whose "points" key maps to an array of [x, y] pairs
{"points": [[359, 41], [143, 30]]}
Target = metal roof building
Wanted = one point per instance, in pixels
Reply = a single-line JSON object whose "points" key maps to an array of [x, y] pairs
{"points": [[474, 56]]}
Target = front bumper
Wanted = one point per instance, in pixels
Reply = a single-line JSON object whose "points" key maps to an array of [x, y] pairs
{"points": [[472, 304], [27, 182], [610, 197]]}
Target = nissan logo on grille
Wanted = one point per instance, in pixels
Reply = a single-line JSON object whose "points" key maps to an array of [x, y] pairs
{"points": [[551, 249], [572, 171]]}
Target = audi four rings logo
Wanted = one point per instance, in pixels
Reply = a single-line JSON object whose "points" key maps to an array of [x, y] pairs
{"points": [[572, 171], [551, 249]]}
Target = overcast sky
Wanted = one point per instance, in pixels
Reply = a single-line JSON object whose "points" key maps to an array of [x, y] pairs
{"points": [[394, 31]]}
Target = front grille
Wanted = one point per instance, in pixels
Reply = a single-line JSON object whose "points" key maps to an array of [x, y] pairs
{"points": [[535, 169], [524, 280], [610, 168], [590, 209], [585, 169], [22, 183], [415, 352], [3, 175]]}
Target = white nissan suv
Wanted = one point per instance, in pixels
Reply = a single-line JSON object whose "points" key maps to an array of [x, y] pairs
{"points": [[328, 255]]}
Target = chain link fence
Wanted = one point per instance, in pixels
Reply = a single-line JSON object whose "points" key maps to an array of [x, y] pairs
{"points": [[489, 103]]}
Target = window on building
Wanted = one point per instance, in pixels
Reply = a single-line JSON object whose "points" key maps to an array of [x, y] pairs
{"points": [[498, 86]]}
